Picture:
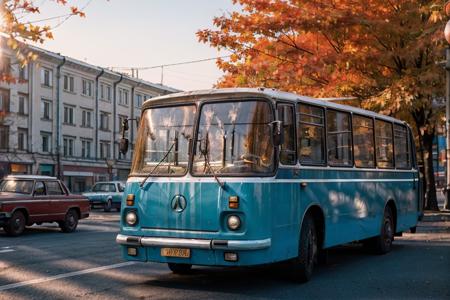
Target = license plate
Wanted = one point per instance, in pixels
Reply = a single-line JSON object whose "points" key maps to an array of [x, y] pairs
{"points": [[176, 252]]}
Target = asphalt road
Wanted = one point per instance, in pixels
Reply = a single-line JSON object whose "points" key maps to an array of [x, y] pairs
{"points": [[47, 264]]}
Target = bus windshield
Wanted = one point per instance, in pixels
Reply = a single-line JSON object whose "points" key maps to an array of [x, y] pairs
{"points": [[163, 144], [234, 138]]}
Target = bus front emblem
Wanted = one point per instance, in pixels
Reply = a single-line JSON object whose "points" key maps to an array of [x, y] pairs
{"points": [[179, 203]]}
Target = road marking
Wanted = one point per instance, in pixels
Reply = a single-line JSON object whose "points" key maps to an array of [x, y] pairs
{"points": [[7, 250], [66, 275]]}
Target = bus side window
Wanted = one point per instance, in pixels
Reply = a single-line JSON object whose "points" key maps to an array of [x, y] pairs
{"points": [[311, 135], [363, 140], [288, 151], [401, 147], [339, 138], [383, 144]]}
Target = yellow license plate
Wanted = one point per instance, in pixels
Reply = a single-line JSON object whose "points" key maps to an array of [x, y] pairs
{"points": [[176, 252]]}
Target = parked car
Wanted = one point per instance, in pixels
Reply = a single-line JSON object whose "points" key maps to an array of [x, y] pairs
{"points": [[106, 194], [27, 199]]}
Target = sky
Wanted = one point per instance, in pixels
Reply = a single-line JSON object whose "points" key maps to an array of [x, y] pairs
{"points": [[140, 33]]}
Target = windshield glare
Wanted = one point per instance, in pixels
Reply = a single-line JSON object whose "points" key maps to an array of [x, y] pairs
{"points": [[16, 186], [163, 144], [235, 138]]}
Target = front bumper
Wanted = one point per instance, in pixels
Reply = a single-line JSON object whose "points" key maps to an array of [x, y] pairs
{"points": [[204, 244]]}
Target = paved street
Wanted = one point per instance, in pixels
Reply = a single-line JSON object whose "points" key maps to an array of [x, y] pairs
{"points": [[47, 264]]}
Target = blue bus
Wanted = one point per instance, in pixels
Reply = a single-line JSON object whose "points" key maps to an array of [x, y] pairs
{"points": [[243, 177]]}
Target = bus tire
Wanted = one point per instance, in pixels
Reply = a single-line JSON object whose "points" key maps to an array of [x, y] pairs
{"points": [[383, 242], [303, 265], [179, 268]]}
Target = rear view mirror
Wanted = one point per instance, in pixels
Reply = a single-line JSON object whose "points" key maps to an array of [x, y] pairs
{"points": [[123, 145], [277, 133]]}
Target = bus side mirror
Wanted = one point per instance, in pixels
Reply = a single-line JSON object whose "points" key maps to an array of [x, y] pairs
{"points": [[277, 133], [123, 145]]}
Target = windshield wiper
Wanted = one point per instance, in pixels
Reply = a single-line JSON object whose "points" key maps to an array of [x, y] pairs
{"points": [[157, 165], [204, 152]]}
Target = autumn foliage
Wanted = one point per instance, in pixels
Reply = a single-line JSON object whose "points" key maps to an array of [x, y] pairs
{"points": [[384, 52]]}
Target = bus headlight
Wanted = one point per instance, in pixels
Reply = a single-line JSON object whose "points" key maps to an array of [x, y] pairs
{"points": [[131, 218], [234, 222]]}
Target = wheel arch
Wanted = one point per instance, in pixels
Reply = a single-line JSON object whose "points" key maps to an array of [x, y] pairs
{"points": [[316, 211], [24, 211], [393, 207], [75, 208]]}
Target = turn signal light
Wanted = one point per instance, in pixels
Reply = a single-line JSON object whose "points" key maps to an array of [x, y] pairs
{"points": [[132, 251], [130, 199], [231, 256], [233, 202]]}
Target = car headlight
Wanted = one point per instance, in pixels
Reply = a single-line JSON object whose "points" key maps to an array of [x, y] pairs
{"points": [[234, 222], [131, 218]]}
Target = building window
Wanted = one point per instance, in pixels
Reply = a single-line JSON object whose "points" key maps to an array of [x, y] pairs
{"points": [[123, 97], [86, 118], [23, 105], [108, 92], [311, 135], [138, 101], [68, 115], [46, 142], [4, 100], [104, 121], [69, 83], [4, 137], [68, 146], [121, 120], [87, 87], [86, 148], [105, 150], [23, 73], [105, 92], [46, 77], [363, 142], [5, 65], [22, 139], [46, 109], [384, 145], [339, 138]]}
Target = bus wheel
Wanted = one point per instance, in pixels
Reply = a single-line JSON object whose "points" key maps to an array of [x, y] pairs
{"points": [[383, 242], [303, 265], [413, 229], [180, 268]]}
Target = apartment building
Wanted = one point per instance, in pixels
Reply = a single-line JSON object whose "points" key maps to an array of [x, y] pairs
{"points": [[63, 118]]}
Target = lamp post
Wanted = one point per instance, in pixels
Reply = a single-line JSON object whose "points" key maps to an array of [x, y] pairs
{"points": [[447, 107]]}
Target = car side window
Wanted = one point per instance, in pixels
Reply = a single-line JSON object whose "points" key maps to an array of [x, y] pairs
{"points": [[121, 187], [112, 188], [53, 188], [39, 188]]}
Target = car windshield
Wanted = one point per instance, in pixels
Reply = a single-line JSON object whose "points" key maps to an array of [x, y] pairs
{"points": [[16, 186], [164, 137], [234, 138], [103, 187]]}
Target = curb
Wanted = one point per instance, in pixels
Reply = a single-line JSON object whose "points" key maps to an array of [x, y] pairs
{"points": [[441, 216]]}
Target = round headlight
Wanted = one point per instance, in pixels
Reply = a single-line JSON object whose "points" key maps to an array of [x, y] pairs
{"points": [[234, 222], [131, 218]]}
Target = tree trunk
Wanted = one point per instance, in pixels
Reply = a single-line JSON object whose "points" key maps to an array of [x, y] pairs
{"points": [[430, 194]]}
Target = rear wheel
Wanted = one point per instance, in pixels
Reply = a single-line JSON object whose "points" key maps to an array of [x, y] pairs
{"points": [[70, 222], [179, 268], [15, 225], [303, 265], [108, 206], [382, 243]]}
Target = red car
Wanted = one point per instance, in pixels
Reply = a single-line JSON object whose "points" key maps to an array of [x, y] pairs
{"points": [[28, 199]]}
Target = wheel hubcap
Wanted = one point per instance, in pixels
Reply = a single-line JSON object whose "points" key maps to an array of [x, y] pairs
{"points": [[388, 232]]}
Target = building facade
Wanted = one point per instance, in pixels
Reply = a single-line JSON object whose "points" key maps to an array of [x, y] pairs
{"points": [[62, 117]]}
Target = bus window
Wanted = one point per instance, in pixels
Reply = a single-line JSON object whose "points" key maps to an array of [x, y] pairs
{"points": [[288, 152], [311, 135], [363, 142], [339, 139], [383, 143], [401, 149]]}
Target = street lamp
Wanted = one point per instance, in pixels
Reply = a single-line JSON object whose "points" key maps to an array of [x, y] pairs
{"points": [[447, 106]]}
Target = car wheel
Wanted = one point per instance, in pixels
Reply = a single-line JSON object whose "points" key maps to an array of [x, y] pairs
{"points": [[70, 222], [180, 268], [108, 206], [303, 265], [16, 224]]}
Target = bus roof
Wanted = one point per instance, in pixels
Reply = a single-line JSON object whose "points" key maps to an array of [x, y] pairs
{"points": [[193, 96]]}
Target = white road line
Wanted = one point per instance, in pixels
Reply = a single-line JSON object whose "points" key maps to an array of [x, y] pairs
{"points": [[7, 250], [61, 276]]}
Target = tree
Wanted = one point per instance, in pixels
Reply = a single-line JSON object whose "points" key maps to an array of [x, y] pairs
{"points": [[14, 15], [383, 52]]}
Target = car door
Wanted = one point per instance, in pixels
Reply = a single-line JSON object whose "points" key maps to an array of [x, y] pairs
{"points": [[58, 201], [38, 208], [114, 192]]}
